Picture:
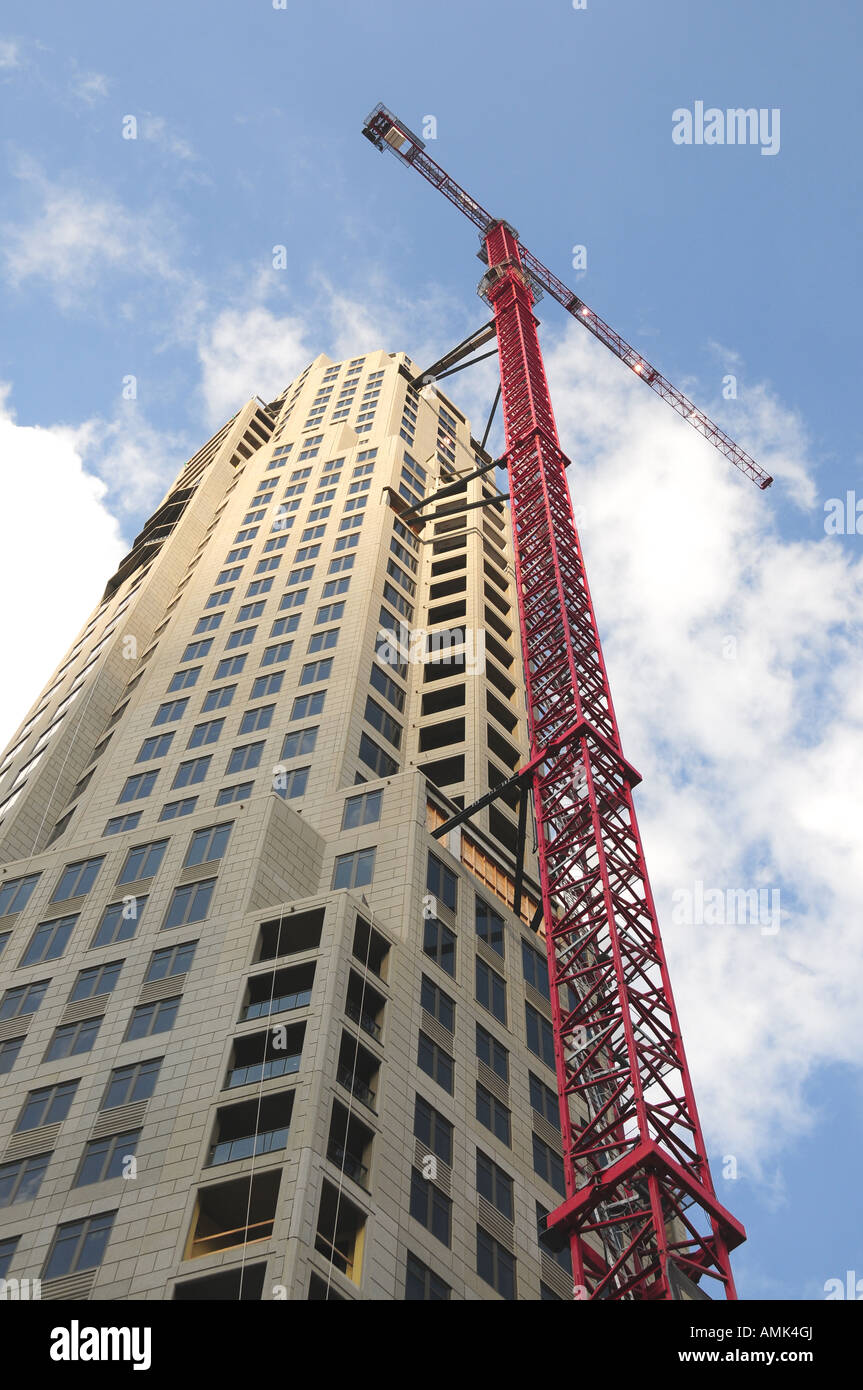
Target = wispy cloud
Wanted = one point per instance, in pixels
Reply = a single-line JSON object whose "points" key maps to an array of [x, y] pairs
{"points": [[10, 54], [89, 87]]}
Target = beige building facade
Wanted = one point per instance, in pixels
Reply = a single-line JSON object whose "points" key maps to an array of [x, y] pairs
{"points": [[262, 1035]]}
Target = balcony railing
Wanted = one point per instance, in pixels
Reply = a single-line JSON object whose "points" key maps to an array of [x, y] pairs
{"points": [[349, 1163], [364, 1019], [229, 1150], [258, 1071], [356, 1086], [281, 1004]]}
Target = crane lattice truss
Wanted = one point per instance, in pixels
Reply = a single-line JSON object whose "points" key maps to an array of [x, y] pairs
{"points": [[641, 1213]]}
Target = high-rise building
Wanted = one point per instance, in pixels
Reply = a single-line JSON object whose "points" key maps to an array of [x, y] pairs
{"points": [[264, 1035]]}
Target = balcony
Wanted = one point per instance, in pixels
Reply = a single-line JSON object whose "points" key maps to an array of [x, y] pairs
{"points": [[251, 1128], [277, 992]]}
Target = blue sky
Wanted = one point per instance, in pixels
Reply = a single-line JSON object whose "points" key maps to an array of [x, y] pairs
{"points": [[153, 258]]}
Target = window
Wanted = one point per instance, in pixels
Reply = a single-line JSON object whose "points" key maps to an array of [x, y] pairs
{"points": [[220, 599], [47, 1106], [240, 637], [132, 1083], [562, 1257], [205, 733], [330, 589], [78, 1245], [20, 1181], [119, 922], [489, 926], [283, 625], [250, 611], [354, 870], [387, 687], [245, 758], [138, 786], [430, 1207], [118, 824], [49, 940], [343, 562], [197, 649], [432, 1130], [439, 944], [190, 903], [490, 990], [170, 961], [15, 894], [238, 792], [22, 1000], [306, 705], [383, 722], [300, 576], [267, 685], [230, 666], [72, 1038], [290, 784], [544, 1101], [295, 599], [303, 741], [535, 967], [437, 1003], [540, 1035], [77, 879], [316, 670], [148, 1019], [494, 1184], [435, 1062], [330, 613], [442, 883], [182, 680], [9, 1055], [143, 861], [172, 809], [7, 1251], [492, 1053], [422, 1285], [548, 1165], [218, 699], [362, 810], [95, 980], [495, 1264], [208, 844], [323, 641], [106, 1158], [493, 1114], [255, 719], [273, 655], [192, 771], [375, 758], [209, 624]]}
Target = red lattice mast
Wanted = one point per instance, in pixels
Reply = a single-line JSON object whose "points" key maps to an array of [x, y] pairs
{"points": [[641, 1213]]}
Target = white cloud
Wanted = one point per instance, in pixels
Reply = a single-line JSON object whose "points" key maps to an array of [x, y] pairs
{"points": [[60, 543], [747, 761], [135, 462], [10, 54], [75, 238], [89, 87]]}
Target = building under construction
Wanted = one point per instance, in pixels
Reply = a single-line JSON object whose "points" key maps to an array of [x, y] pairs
{"points": [[330, 967]]}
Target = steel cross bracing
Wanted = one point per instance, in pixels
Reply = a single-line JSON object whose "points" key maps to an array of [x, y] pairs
{"points": [[638, 1184], [387, 132], [640, 1212]]}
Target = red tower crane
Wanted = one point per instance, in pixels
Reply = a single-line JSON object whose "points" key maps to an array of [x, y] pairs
{"points": [[640, 1212]]}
